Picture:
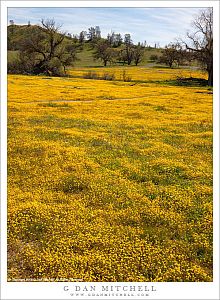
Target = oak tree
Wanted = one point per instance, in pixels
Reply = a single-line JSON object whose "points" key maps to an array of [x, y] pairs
{"points": [[200, 41]]}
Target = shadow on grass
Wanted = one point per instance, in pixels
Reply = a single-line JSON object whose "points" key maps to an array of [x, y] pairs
{"points": [[179, 81], [190, 81]]}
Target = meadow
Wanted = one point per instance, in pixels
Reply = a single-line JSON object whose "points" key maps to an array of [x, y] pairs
{"points": [[110, 180]]}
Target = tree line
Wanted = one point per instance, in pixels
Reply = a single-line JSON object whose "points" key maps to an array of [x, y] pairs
{"points": [[46, 49], [124, 51]]}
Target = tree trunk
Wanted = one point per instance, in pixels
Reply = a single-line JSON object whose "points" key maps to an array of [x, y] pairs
{"points": [[210, 76]]}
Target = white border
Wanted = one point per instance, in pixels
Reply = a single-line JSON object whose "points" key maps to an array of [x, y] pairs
{"points": [[52, 290], [113, 3]]}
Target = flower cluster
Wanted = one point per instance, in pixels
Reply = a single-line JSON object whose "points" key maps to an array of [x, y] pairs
{"points": [[109, 190]]}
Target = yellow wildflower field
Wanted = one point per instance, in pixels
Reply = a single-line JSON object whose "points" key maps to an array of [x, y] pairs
{"points": [[143, 73], [109, 180]]}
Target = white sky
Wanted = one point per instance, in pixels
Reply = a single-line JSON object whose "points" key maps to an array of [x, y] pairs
{"points": [[151, 24]]}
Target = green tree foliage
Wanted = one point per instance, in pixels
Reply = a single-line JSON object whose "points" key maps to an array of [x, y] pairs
{"points": [[128, 48], [154, 57], [114, 39], [82, 36], [103, 52], [94, 34]]}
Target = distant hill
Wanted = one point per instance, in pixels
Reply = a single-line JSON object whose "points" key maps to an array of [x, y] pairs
{"points": [[16, 33]]}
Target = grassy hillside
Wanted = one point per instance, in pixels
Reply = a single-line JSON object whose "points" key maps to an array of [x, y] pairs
{"points": [[85, 56], [15, 34]]}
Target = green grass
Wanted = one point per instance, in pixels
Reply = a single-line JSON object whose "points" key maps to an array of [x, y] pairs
{"points": [[85, 57]]}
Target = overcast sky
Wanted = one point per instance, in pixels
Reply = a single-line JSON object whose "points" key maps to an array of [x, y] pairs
{"points": [[151, 24]]}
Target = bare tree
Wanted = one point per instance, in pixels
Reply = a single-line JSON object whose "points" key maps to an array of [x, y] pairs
{"points": [[103, 52], [138, 53], [54, 35], [170, 54], [200, 42], [49, 48]]}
